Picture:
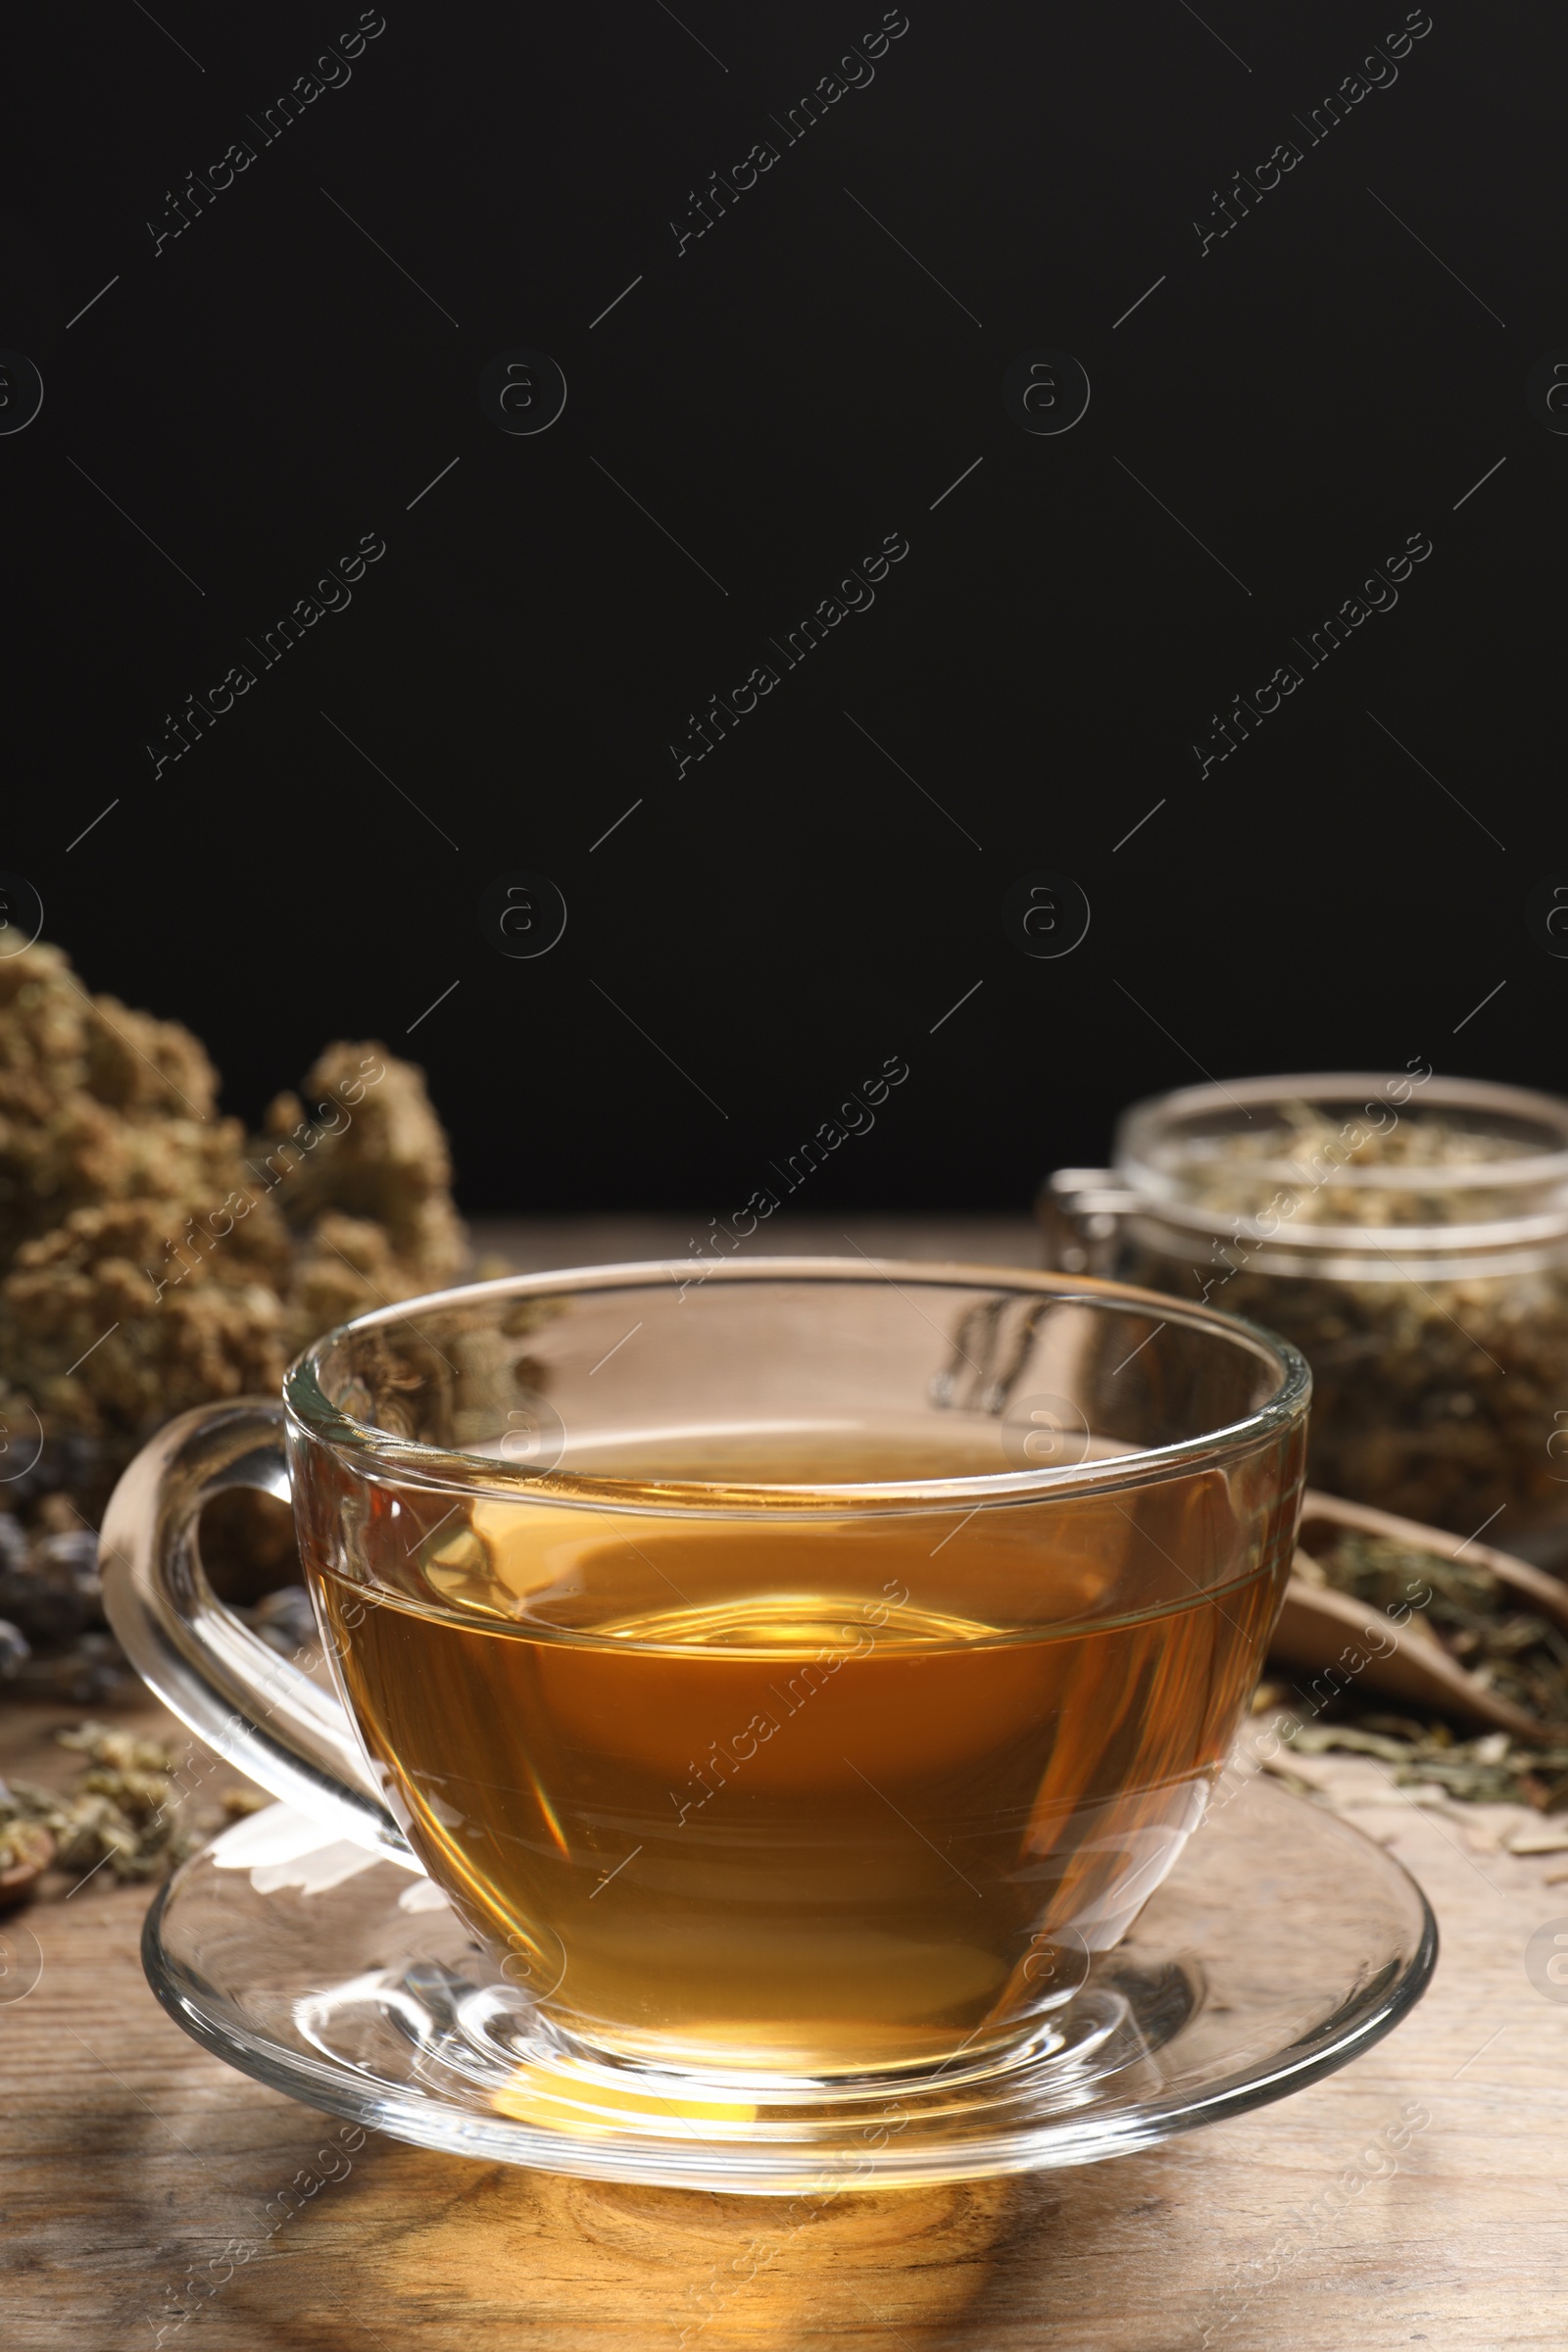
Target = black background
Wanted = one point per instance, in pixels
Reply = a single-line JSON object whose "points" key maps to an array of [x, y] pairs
{"points": [[794, 386]]}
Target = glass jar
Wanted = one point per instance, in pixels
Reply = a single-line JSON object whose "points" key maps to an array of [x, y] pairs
{"points": [[1409, 1233]]}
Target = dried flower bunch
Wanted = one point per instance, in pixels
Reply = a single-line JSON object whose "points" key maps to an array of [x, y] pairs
{"points": [[153, 1257]]}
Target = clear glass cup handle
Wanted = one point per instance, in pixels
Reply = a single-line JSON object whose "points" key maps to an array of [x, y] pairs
{"points": [[1081, 1212], [250, 1704]]}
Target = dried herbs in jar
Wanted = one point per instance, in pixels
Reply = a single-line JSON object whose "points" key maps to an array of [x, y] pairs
{"points": [[1409, 1234]]}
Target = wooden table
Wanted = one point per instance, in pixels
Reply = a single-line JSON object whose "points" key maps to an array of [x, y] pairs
{"points": [[129, 2160]]}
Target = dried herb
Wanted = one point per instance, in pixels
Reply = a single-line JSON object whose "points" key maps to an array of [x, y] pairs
{"points": [[128, 1812], [26, 1850], [152, 1256], [1433, 1393], [1494, 1770], [1512, 1650], [1433, 1399], [1239, 1170], [1476, 1618]]}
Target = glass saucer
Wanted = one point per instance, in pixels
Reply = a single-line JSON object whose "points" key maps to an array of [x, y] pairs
{"points": [[1282, 1945]]}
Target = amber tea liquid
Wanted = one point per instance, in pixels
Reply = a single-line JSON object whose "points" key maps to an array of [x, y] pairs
{"points": [[792, 1795]]}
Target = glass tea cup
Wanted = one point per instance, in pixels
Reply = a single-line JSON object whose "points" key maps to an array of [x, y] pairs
{"points": [[792, 1677]]}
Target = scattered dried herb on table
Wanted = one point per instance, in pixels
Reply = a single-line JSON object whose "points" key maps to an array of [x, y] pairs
{"points": [[124, 1813], [1492, 1770]]}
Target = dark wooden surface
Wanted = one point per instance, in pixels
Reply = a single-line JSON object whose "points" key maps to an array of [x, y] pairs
{"points": [[129, 2160], [530, 1244]]}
